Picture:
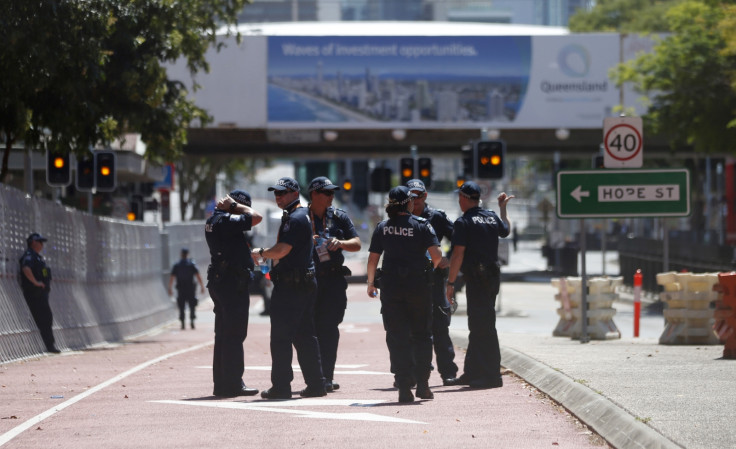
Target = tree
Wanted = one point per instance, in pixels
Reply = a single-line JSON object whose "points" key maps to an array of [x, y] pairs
{"points": [[82, 73], [624, 16], [692, 73]]}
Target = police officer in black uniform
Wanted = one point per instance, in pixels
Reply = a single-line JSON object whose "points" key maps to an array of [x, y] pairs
{"points": [[293, 298], [406, 305], [333, 233], [227, 280], [441, 311], [35, 281], [475, 253], [184, 272]]}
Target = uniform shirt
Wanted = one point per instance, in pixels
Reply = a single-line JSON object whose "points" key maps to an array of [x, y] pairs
{"points": [[338, 225], [404, 241], [440, 223], [296, 230], [184, 272], [38, 267], [225, 235], [478, 231]]}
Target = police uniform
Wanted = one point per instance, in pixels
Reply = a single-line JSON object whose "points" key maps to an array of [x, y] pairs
{"points": [[331, 283], [406, 306], [37, 298], [228, 276], [292, 305], [478, 230], [441, 311], [184, 271]]}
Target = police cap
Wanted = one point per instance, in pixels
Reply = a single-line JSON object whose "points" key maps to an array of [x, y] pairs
{"points": [[400, 195], [240, 196], [285, 183], [470, 190]]}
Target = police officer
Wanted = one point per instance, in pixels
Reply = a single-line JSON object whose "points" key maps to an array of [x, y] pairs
{"points": [[333, 233], [227, 280], [441, 311], [184, 272], [35, 281], [406, 306], [475, 253], [293, 297]]}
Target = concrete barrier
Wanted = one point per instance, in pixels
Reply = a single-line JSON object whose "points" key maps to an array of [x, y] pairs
{"points": [[687, 314], [600, 297]]}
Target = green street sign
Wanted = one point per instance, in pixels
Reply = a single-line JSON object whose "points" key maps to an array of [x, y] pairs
{"points": [[623, 193]]}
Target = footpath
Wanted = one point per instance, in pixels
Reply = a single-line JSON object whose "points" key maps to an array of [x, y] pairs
{"points": [[634, 392]]}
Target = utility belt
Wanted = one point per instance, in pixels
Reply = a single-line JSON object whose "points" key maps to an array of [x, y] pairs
{"points": [[293, 277], [425, 275], [333, 270], [218, 271], [483, 271]]}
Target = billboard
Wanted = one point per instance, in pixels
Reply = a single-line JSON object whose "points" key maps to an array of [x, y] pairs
{"points": [[412, 82]]}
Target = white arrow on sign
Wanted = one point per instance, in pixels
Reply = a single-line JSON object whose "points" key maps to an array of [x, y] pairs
{"points": [[578, 193]]}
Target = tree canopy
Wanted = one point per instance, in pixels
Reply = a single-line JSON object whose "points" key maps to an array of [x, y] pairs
{"points": [[79, 73], [690, 77]]}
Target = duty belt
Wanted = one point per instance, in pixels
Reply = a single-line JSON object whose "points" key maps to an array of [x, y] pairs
{"points": [[293, 277], [333, 270]]}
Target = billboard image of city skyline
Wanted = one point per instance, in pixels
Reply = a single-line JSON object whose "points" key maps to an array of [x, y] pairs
{"points": [[403, 80]]}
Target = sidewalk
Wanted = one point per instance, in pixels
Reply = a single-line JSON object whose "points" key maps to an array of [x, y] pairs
{"points": [[633, 392]]}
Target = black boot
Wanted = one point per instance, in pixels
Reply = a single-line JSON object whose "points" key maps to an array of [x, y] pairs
{"points": [[182, 325], [423, 391], [192, 324], [405, 395]]}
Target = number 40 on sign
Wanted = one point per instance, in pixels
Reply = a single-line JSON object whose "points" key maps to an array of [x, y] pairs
{"points": [[623, 141]]}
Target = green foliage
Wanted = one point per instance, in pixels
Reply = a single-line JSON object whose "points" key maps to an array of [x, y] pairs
{"points": [[624, 16], [690, 79], [79, 73]]}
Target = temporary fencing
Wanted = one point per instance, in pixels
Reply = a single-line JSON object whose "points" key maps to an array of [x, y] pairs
{"points": [[106, 275]]}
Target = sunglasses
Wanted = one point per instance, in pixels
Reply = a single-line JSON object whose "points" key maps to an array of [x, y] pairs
{"points": [[326, 192], [281, 192]]}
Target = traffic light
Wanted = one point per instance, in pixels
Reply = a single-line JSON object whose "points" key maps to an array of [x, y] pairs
{"points": [[406, 169], [489, 157], [425, 171], [459, 181], [105, 176], [347, 186], [136, 211], [381, 179], [86, 173], [58, 169], [468, 163]]}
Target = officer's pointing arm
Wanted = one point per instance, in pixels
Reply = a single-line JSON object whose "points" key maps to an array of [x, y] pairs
{"points": [[503, 200]]}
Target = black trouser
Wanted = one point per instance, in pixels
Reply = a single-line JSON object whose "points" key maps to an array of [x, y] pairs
{"points": [[231, 328], [407, 318], [38, 304], [184, 299], [292, 323], [441, 312], [483, 357], [329, 312]]}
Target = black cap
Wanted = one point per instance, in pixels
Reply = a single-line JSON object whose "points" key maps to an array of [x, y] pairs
{"points": [[240, 196], [320, 183], [416, 184], [400, 195], [36, 237], [469, 189], [285, 183]]}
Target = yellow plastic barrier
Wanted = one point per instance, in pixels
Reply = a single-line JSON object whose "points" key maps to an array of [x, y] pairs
{"points": [[688, 317], [600, 298]]}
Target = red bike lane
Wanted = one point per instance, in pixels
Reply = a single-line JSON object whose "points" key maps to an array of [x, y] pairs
{"points": [[155, 391]]}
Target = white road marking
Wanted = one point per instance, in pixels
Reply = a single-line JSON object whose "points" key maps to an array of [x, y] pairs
{"points": [[278, 407], [14, 432]]}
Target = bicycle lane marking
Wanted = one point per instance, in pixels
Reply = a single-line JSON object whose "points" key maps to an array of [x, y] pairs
{"points": [[9, 435]]}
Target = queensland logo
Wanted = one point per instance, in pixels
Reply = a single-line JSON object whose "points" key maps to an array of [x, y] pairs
{"points": [[574, 61]]}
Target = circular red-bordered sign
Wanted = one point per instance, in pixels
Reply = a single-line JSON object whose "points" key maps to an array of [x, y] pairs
{"points": [[634, 132]]}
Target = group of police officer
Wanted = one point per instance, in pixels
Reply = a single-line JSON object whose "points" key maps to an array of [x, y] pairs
{"points": [[309, 297]]}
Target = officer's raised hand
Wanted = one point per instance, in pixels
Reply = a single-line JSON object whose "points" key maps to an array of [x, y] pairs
{"points": [[504, 199]]}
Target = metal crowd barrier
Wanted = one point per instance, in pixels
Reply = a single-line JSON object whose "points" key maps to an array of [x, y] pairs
{"points": [[106, 274]]}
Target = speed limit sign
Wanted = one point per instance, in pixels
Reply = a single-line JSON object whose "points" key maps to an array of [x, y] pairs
{"points": [[623, 141]]}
